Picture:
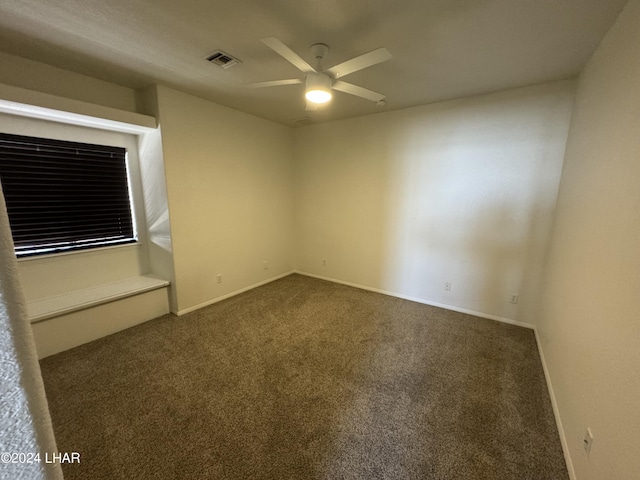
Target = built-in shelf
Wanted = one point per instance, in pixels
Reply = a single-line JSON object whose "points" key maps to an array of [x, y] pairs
{"points": [[56, 305]]}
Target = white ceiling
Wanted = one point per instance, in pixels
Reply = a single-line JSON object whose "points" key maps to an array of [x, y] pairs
{"points": [[442, 49]]}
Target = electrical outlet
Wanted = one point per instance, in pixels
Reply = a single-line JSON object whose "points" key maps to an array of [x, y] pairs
{"points": [[588, 441], [265, 265], [514, 298], [447, 286], [219, 278]]}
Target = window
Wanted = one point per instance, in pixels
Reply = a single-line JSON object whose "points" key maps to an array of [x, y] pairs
{"points": [[63, 196]]}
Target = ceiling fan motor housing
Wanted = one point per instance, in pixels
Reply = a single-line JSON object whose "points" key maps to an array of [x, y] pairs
{"points": [[318, 87]]}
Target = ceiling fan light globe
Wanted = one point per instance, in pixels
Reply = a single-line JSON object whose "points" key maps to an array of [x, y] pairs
{"points": [[318, 88], [318, 96]]}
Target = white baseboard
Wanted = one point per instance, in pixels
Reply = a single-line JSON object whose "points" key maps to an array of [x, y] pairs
{"points": [[556, 412], [232, 294], [420, 300]]}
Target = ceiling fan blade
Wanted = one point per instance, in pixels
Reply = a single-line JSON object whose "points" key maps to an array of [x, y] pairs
{"points": [[288, 54], [311, 107], [357, 91], [358, 63], [274, 83]]}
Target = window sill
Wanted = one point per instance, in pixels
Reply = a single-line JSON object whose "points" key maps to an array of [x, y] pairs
{"points": [[77, 252]]}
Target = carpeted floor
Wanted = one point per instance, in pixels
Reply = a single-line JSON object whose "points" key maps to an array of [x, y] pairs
{"points": [[307, 379]]}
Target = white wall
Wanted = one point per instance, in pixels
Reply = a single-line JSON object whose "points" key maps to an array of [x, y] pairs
{"points": [[589, 326], [25, 424], [229, 184], [155, 198], [460, 191]]}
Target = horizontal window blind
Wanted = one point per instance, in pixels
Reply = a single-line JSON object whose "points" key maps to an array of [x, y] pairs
{"points": [[63, 195]]}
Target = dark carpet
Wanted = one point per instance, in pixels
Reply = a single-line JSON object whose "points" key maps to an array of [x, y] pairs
{"points": [[307, 379]]}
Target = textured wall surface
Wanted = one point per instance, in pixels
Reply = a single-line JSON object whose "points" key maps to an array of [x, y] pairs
{"points": [[589, 327], [25, 426], [460, 191], [41, 77], [230, 190]]}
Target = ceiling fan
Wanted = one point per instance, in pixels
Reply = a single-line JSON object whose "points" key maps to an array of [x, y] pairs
{"points": [[318, 81]]}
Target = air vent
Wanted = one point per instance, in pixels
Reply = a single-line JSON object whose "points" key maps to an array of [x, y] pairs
{"points": [[303, 121], [222, 59]]}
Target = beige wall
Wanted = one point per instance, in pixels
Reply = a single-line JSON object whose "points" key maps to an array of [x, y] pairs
{"points": [[25, 73], [589, 327], [460, 191], [231, 190], [229, 184]]}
